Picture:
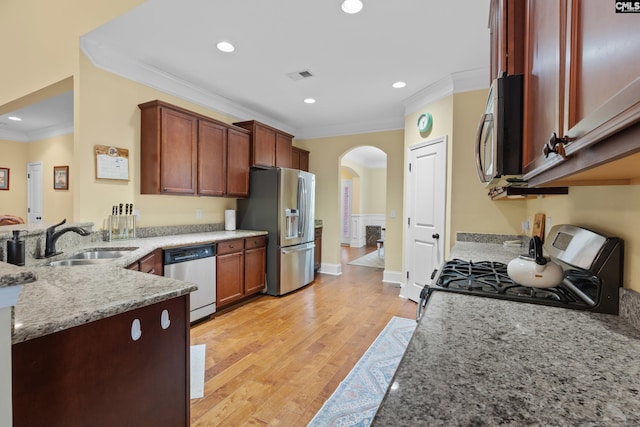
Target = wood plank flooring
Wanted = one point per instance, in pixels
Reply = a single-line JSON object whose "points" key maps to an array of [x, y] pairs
{"points": [[275, 360]]}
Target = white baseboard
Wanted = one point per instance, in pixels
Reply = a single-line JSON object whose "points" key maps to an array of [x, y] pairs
{"points": [[332, 269], [395, 277]]}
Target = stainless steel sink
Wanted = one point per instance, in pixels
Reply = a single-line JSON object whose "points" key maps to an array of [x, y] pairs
{"points": [[91, 257], [75, 262], [101, 253]]}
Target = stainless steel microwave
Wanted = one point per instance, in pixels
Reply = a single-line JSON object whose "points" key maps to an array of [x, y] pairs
{"points": [[499, 135]]}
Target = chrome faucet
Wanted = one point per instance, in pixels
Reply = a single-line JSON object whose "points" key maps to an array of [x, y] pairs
{"points": [[52, 237]]}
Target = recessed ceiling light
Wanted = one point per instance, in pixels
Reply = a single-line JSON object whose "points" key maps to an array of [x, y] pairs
{"points": [[14, 118], [309, 101], [225, 47], [399, 85], [351, 6]]}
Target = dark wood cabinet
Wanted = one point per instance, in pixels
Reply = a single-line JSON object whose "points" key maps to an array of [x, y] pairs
{"points": [[241, 269], [168, 151], [104, 373], [581, 82], [183, 152], [299, 159], [212, 159], [506, 27], [150, 264], [229, 273], [270, 147], [283, 150], [238, 157], [317, 253], [255, 265]]}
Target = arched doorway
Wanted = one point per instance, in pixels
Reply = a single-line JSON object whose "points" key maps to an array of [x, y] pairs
{"points": [[363, 186]]}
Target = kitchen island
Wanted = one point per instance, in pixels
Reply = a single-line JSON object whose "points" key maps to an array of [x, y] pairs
{"points": [[485, 361], [102, 344], [64, 297]]}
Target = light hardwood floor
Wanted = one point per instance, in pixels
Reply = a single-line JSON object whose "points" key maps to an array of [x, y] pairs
{"points": [[275, 360]]}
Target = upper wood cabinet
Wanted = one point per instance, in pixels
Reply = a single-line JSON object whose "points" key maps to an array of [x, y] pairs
{"points": [[270, 147], [168, 150], [506, 26], [238, 158], [581, 83], [299, 159], [182, 152]]}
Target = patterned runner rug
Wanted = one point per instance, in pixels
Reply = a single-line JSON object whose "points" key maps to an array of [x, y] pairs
{"points": [[356, 400], [369, 260]]}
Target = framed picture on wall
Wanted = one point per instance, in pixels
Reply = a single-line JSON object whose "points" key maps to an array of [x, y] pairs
{"points": [[4, 178], [61, 177]]}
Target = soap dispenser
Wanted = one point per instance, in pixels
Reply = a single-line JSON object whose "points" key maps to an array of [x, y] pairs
{"points": [[15, 249]]}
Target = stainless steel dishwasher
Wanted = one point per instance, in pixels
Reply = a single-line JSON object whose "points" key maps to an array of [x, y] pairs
{"points": [[197, 265]]}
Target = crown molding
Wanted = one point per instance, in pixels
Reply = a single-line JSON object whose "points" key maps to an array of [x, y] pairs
{"points": [[463, 81], [391, 123], [114, 62], [37, 134]]}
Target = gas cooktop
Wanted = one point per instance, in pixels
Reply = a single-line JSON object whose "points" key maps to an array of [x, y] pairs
{"points": [[592, 265]]}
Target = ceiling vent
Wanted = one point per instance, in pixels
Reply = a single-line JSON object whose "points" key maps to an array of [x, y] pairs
{"points": [[299, 75]]}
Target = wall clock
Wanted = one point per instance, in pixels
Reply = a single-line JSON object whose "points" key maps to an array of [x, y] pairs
{"points": [[424, 122]]}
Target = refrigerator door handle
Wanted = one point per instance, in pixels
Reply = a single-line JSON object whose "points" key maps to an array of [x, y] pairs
{"points": [[302, 202], [302, 249]]}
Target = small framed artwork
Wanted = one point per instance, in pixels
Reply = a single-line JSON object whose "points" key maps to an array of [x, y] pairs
{"points": [[4, 178], [61, 177]]}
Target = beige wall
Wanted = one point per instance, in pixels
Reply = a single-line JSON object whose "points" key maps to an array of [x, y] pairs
{"points": [[369, 187], [57, 151], [41, 40], [14, 157], [612, 210], [108, 114], [324, 161]]}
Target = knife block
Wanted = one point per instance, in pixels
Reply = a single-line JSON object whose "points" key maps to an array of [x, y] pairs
{"points": [[121, 227]]}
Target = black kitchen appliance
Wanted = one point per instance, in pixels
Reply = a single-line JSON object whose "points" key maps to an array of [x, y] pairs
{"points": [[499, 136], [592, 264]]}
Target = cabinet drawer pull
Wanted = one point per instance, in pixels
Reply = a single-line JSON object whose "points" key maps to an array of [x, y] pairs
{"points": [[136, 330], [165, 322]]}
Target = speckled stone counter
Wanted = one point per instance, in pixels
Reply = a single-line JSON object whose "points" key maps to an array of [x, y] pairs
{"points": [[483, 361], [63, 297]]}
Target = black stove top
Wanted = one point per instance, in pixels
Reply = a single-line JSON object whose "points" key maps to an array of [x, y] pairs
{"points": [[592, 264], [488, 278]]}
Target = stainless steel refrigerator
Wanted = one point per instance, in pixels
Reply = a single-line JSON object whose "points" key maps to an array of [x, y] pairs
{"points": [[282, 202]]}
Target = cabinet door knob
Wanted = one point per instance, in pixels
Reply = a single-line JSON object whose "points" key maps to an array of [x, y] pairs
{"points": [[435, 236], [555, 145]]}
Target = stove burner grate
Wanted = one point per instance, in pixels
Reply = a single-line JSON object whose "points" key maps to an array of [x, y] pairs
{"points": [[491, 279]]}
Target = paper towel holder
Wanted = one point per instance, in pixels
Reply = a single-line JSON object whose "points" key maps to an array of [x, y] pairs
{"points": [[229, 219]]}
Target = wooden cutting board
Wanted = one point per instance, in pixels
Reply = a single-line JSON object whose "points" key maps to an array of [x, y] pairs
{"points": [[538, 226]]}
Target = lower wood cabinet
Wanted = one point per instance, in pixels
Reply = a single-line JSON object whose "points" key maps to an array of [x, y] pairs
{"points": [[317, 252], [131, 369], [151, 263], [240, 269]]}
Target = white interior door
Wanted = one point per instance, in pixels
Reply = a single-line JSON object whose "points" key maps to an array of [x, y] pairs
{"points": [[34, 193], [426, 207], [345, 211]]}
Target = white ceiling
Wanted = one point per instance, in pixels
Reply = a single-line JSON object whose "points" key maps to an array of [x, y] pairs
{"points": [[354, 59]]}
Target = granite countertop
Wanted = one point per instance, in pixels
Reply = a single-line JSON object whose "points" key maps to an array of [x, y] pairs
{"points": [[485, 361], [63, 297]]}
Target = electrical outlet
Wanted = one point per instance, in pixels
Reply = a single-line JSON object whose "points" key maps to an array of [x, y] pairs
{"points": [[392, 214], [525, 226], [136, 212], [547, 226], [198, 213]]}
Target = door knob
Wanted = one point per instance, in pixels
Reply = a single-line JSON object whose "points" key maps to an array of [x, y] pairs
{"points": [[435, 236]]}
